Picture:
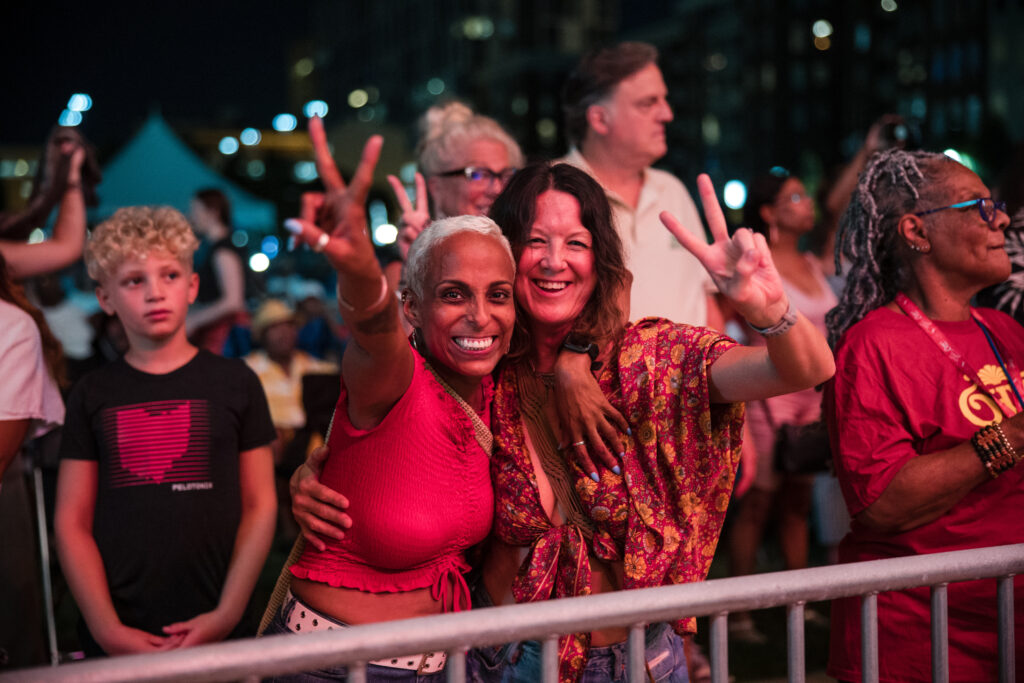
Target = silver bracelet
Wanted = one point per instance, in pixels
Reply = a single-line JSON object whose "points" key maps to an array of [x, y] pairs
{"points": [[781, 327], [372, 307]]}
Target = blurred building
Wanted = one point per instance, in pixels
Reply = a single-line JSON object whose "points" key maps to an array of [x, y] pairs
{"points": [[753, 83]]}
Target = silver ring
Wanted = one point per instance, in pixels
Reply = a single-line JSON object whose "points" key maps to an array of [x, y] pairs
{"points": [[580, 443], [321, 242]]}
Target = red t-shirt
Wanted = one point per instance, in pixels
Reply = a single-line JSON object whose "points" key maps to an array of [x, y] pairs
{"points": [[897, 396]]}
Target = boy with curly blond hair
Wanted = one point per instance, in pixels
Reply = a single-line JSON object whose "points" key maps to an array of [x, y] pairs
{"points": [[165, 494]]}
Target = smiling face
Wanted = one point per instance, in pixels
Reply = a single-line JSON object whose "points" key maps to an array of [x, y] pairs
{"points": [[459, 196], [556, 274], [466, 315], [966, 248], [150, 296], [635, 115]]}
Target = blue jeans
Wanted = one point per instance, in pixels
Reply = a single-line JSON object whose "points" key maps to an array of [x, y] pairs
{"points": [[340, 673]]}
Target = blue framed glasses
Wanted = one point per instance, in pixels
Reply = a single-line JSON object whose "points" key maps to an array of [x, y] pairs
{"points": [[987, 207], [481, 174]]}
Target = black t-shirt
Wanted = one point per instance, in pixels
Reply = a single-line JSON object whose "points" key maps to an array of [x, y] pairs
{"points": [[167, 501]]}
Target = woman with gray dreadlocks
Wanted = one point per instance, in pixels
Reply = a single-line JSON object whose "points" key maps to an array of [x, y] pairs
{"points": [[926, 407]]}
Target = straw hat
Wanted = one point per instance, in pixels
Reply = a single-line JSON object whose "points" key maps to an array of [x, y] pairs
{"points": [[271, 312]]}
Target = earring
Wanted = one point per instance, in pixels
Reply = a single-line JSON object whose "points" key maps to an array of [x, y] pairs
{"points": [[920, 249]]}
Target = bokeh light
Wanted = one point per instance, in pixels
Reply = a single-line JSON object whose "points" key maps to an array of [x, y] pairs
{"points": [[304, 171], [69, 118], [385, 233], [821, 29], [228, 145], [259, 262], [735, 194], [315, 108], [285, 123], [358, 98], [80, 102], [270, 246], [435, 86], [250, 137]]}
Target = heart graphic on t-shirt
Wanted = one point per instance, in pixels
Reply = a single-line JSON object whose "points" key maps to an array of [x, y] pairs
{"points": [[152, 438]]}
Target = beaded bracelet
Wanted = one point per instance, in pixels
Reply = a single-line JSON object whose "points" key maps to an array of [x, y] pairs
{"points": [[994, 449]]}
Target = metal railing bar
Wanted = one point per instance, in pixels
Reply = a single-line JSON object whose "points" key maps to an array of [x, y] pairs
{"points": [[638, 652], [940, 634], [720, 648], [288, 653], [456, 665], [795, 642], [869, 638], [549, 659], [356, 672], [1007, 662]]}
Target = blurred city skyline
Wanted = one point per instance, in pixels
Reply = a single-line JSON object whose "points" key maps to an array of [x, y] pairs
{"points": [[753, 83]]}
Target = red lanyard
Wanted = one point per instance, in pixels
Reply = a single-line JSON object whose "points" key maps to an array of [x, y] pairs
{"points": [[957, 358]]}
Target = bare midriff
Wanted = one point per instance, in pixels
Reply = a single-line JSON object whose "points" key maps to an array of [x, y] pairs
{"points": [[353, 606]]}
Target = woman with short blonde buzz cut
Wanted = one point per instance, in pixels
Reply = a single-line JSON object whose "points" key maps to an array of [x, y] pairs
{"points": [[465, 159], [926, 407], [409, 438]]}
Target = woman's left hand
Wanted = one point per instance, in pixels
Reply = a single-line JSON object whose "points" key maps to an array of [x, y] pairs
{"points": [[741, 266]]}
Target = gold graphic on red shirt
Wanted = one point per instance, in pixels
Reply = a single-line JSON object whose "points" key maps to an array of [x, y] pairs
{"points": [[978, 407]]}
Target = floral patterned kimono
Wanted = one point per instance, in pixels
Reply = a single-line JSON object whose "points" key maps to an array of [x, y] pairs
{"points": [[662, 517]]}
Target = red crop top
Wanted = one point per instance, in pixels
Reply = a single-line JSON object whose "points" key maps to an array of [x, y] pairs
{"points": [[419, 487]]}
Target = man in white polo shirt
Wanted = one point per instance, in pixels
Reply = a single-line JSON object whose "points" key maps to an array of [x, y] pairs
{"points": [[616, 112]]}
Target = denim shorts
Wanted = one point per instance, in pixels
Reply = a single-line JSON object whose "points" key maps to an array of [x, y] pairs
{"points": [[340, 673]]}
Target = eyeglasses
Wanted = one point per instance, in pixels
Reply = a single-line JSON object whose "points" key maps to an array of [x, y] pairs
{"points": [[795, 197], [987, 207], [482, 175]]}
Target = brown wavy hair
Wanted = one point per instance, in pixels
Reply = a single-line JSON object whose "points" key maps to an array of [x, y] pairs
{"points": [[53, 352], [515, 210]]}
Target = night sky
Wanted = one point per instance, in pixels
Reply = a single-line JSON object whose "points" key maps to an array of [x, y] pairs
{"points": [[199, 62]]}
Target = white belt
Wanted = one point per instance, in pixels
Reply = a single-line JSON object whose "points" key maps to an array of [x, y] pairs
{"points": [[304, 619]]}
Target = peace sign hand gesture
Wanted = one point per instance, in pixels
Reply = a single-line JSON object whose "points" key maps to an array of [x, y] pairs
{"points": [[414, 219], [740, 266], [335, 222]]}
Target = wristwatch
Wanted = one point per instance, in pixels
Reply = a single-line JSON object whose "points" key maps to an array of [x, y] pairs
{"points": [[781, 327], [578, 344]]}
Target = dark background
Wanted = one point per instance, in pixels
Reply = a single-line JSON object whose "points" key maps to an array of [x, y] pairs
{"points": [[749, 86]]}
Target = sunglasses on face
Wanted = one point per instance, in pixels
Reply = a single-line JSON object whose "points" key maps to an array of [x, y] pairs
{"points": [[987, 207], [480, 174]]}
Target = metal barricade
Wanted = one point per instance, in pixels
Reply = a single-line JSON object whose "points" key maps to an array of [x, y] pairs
{"points": [[241, 660]]}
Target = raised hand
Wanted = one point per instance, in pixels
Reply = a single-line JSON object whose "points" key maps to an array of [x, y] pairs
{"points": [[414, 218], [741, 266], [335, 223]]}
